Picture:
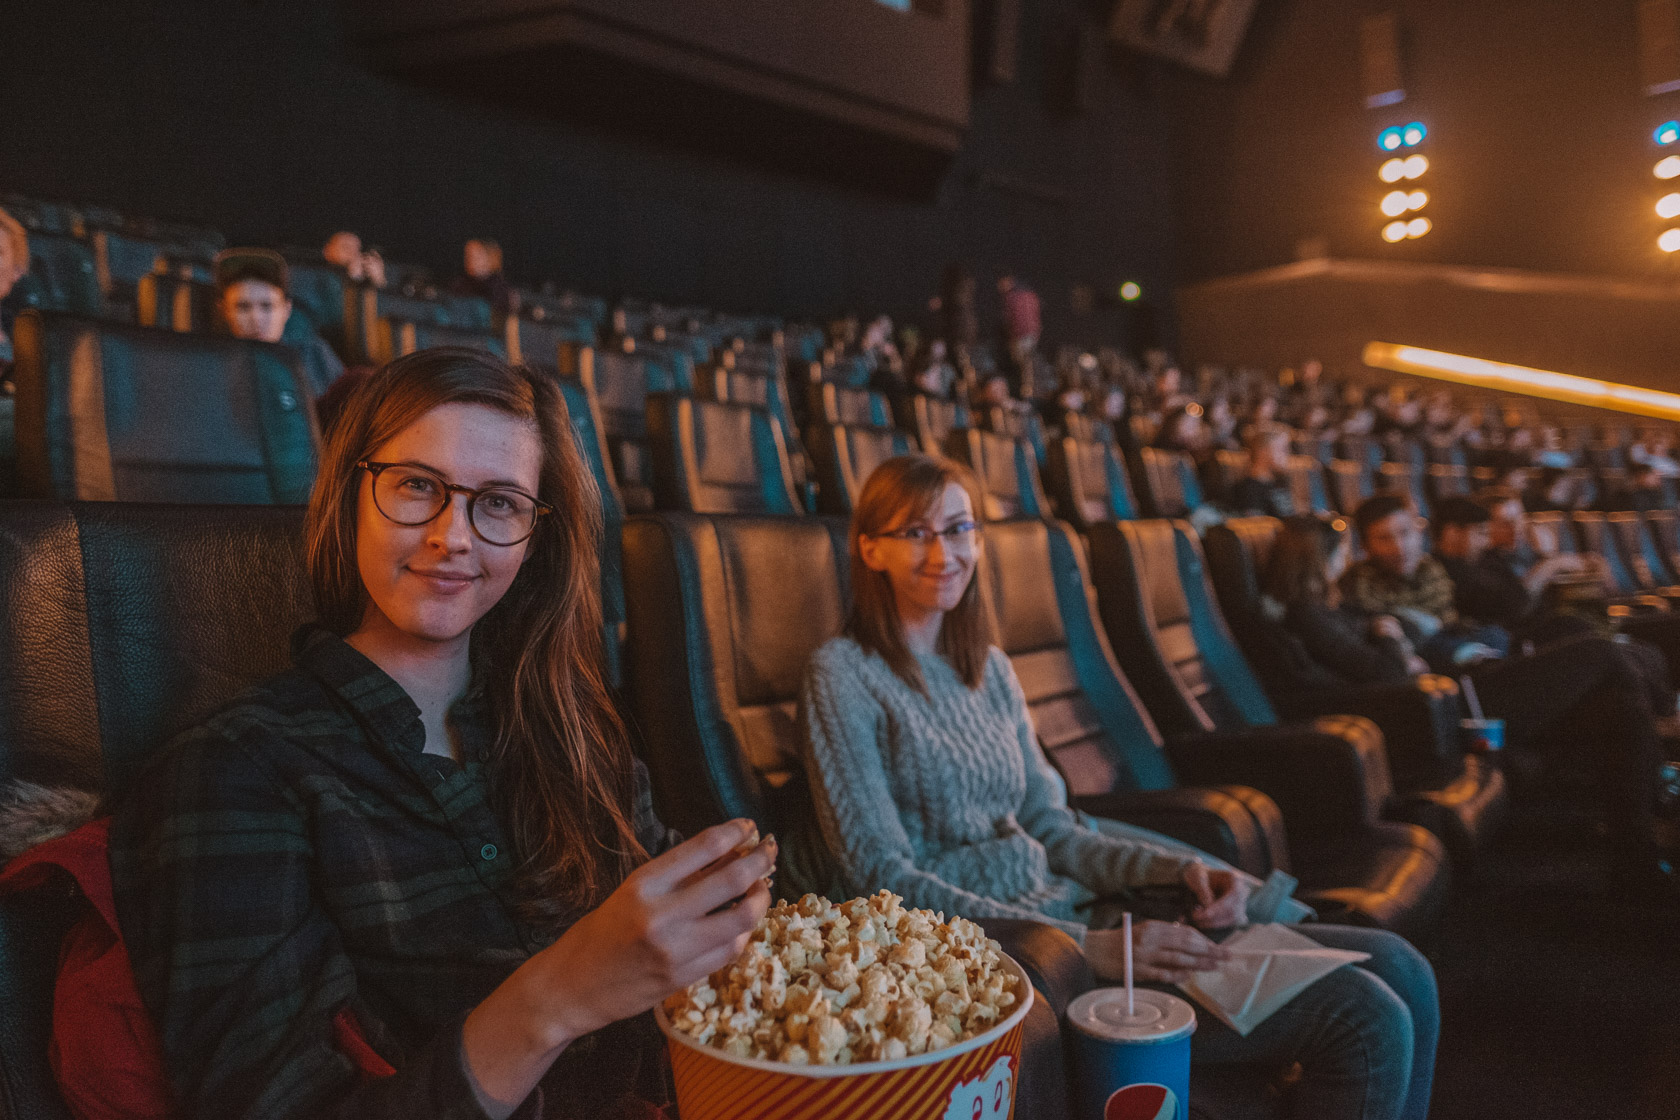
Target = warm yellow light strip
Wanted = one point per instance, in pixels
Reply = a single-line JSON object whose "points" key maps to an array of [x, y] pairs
{"points": [[1502, 376]]}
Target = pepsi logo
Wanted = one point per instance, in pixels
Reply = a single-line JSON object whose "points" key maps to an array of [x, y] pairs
{"points": [[1142, 1102], [988, 1097]]}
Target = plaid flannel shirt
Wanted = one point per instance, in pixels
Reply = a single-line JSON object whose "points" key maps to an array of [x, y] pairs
{"points": [[299, 853], [1373, 590]]}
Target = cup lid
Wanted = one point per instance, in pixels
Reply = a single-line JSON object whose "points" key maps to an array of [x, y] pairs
{"points": [[1159, 1017]]}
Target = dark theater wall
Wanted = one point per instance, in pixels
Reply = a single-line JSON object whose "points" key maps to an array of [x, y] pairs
{"points": [[1541, 139], [255, 116]]}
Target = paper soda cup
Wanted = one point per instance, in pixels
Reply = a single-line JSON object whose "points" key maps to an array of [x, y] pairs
{"points": [[1131, 1067], [972, 1080], [1482, 736]]}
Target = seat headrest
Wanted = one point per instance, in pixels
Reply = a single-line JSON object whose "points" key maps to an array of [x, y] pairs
{"points": [[1022, 584]]}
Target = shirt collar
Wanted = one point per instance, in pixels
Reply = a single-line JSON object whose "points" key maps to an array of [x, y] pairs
{"points": [[379, 702]]}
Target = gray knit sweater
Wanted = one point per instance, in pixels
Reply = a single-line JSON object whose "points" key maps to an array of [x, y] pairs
{"points": [[947, 799]]}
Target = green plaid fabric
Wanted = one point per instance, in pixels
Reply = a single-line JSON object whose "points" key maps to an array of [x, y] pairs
{"points": [[1372, 590], [298, 854]]}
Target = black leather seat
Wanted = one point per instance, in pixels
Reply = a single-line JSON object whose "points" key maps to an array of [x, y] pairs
{"points": [[585, 418], [931, 420], [317, 291], [61, 276], [721, 640], [402, 336], [120, 262], [369, 315], [836, 404], [538, 343], [713, 457], [1087, 481], [1330, 787], [118, 413], [1306, 484], [123, 624], [1018, 424], [1007, 470], [618, 383], [767, 389], [175, 301], [1169, 484], [845, 456], [1350, 484], [1163, 619]]}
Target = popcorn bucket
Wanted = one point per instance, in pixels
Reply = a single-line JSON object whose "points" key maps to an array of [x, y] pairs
{"points": [[972, 1080]]}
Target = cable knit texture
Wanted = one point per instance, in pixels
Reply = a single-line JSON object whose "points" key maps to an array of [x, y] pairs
{"points": [[947, 799]]}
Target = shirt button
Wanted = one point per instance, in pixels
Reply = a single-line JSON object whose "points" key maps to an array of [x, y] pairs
{"points": [[488, 852]]}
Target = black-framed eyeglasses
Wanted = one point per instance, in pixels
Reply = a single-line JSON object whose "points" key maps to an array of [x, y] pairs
{"points": [[962, 532], [411, 495]]}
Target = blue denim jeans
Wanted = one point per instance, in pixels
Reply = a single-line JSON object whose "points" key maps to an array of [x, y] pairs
{"points": [[1365, 1035]]}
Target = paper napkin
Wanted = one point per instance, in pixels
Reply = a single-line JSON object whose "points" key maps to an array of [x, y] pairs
{"points": [[1270, 965]]}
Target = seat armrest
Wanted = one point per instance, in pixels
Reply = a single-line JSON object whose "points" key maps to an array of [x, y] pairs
{"points": [[1330, 778], [1052, 959], [1240, 826], [1419, 720]]}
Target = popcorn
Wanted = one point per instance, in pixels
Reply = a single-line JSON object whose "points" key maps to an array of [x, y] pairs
{"points": [[863, 981]]}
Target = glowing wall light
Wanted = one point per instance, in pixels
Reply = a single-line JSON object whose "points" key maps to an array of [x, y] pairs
{"points": [[1485, 374], [1131, 291], [1393, 171], [1669, 242], [1668, 206], [1668, 168], [1394, 231], [1390, 138], [1414, 134], [1417, 227], [1416, 165], [1395, 203], [1417, 200], [1667, 133]]}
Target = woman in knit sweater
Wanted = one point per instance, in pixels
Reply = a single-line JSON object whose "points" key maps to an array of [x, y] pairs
{"points": [[928, 780]]}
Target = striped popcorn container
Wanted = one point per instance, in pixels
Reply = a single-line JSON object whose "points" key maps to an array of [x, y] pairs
{"points": [[973, 1080]]}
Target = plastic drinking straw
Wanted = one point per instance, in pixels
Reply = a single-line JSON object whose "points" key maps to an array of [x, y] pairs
{"points": [[1126, 926], [1469, 687]]}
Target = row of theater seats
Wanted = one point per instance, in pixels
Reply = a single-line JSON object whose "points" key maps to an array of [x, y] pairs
{"points": [[126, 622]]}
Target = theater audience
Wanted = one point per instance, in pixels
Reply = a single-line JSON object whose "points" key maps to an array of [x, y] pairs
{"points": [[433, 822], [928, 780], [1264, 487], [251, 298], [1576, 705]]}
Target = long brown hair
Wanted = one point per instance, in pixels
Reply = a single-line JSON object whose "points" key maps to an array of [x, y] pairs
{"points": [[1296, 570], [899, 489], [562, 778]]}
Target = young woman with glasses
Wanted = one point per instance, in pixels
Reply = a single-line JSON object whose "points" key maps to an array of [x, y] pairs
{"points": [[432, 826], [928, 780]]}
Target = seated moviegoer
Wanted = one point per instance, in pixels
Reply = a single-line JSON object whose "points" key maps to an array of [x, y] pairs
{"points": [[1579, 701], [251, 298], [482, 275], [434, 821], [1264, 487], [1398, 578], [360, 265], [928, 780]]}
